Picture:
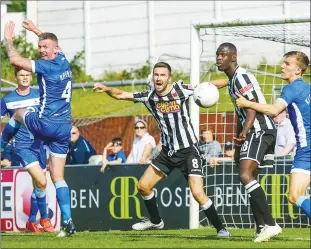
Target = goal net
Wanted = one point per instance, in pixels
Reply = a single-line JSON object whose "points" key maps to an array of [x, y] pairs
{"points": [[261, 44]]}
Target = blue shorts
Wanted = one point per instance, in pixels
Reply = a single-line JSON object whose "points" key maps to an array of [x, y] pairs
{"points": [[302, 166], [54, 133], [35, 154]]}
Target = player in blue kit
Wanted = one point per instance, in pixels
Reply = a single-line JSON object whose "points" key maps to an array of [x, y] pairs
{"points": [[296, 98], [52, 123], [29, 153]]}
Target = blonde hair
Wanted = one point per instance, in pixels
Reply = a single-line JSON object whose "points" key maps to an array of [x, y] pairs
{"points": [[301, 58]]}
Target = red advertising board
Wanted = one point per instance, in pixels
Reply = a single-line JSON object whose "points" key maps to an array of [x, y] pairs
{"points": [[16, 190]]}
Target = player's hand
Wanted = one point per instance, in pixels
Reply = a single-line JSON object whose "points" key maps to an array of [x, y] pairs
{"points": [[9, 31], [242, 102], [239, 140], [100, 88], [28, 24]]}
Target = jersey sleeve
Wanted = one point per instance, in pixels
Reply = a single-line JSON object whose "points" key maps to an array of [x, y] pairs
{"points": [[244, 85], [141, 96], [41, 66], [4, 109], [150, 140], [187, 89], [288, 94], [121, 155], [109, 158]]}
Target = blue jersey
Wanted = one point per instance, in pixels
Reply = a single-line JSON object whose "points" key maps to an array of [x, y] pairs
{"points": [[119, 154], [55, 83], [296, 96], [13, 101]]}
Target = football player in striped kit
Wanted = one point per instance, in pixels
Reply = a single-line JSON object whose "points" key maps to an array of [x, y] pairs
{"points": [[256, 139], [168, 103]]}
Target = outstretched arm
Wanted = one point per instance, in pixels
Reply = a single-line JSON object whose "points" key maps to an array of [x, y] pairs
{"points": [[268, 109], [220, 83], [15, 58], [28, 24], [113, 92]]}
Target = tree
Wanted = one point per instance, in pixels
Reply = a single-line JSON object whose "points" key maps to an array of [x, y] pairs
{"points": [[17, 6]]}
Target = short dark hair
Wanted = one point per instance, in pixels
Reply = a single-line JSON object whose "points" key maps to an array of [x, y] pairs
{"points": [[301, 58], [117, 140], [16, 70], [229, 45], [48, 36], [163, 64]]}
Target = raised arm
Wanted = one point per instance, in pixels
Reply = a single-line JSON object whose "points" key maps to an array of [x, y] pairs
{"points": [[28, 24], [15, 58], [113, 92]]}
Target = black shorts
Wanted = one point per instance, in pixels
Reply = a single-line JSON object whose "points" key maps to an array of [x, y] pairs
{"points": [[259, 147], [187, 160]]}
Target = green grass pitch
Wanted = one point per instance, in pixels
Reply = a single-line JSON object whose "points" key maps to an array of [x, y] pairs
{"points": [[197, 238]]}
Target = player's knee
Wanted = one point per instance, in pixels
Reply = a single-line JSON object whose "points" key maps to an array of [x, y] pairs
{"points": [[197, 193], [143, 188], [293, 196], [245, 178], [19, 114], [41, 183]]}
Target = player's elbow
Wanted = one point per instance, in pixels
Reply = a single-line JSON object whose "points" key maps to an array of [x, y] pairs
{"points": [[13, 61], [118, 97], [274, 113]]}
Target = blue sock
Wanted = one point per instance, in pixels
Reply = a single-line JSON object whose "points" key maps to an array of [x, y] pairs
{"points": [[41, 199], [33, 207], [304, 203], [63, 198]]}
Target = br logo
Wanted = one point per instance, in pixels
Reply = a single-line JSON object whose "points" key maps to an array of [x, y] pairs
{"points": [[124, 198]]}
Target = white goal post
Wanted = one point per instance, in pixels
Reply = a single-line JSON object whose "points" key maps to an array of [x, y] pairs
{"points": [[279, 29]]}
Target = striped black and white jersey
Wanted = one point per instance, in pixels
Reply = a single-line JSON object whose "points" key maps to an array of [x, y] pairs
{"points": [[172, 114], [245, 84]]}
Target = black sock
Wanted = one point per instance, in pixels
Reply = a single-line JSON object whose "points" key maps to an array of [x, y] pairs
{"points": [[258, 217], [259, 200], [212, 215], [151, 205]]}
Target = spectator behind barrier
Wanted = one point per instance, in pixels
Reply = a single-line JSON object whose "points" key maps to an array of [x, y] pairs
{"points": [[143, 144], [285, 140], [228, 155], [80, 150], [116, 157], [208, 145]]}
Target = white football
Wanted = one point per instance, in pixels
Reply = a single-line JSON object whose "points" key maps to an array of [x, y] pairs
{"points": [[206, 94]]}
